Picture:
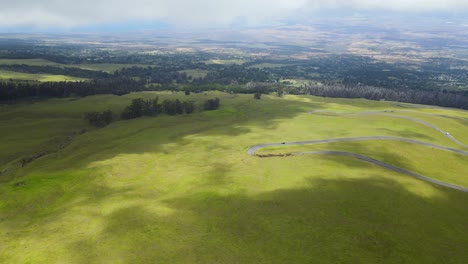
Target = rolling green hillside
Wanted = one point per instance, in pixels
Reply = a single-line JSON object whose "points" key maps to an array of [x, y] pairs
{"points": [[182, 189]]}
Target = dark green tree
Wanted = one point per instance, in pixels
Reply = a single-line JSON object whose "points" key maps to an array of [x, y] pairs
{"points": [[211, 104], [98, 119], [189, 107], [169, 107], [280, 91]]}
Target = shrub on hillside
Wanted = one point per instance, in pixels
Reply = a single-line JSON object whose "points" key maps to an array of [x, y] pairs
{"points": [[211, 104], [189, 107], [99, 119], [172, 107]]}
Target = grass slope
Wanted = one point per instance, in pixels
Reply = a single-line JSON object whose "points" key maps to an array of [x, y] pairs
{"points": [[106, 67], [6, 75], [196, 73], [183, 190], [269, 65], [225, 62]]}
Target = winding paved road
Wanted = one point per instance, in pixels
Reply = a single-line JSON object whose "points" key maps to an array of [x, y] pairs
{"points": [[252, 150], [385, 113]]}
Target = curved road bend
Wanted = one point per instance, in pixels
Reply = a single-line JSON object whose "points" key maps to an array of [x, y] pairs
{"points": [[252, 150], [384, 113]]}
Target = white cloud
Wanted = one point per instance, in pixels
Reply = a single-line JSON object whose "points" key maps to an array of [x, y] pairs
{"points": [[69, 13]]}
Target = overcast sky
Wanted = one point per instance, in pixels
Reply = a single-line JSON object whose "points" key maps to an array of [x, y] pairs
{"points": [[73, 13]]}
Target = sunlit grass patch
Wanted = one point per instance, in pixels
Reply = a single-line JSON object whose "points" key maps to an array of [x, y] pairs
{"points": [[6, 75], [182, 189]]}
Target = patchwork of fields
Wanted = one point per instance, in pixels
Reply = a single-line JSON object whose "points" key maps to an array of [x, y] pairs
{"points": [[182, 189]]}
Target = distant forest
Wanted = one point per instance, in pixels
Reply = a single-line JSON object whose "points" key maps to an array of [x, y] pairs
{"points": [[441, 82], [120, 86]]}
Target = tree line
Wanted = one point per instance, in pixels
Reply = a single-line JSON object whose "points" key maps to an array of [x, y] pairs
{"points": [[117, 86], [151, 107], [211, 104], [120, 86], [400, 95], [160, 75]]}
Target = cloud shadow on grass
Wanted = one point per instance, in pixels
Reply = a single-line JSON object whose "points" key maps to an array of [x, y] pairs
{"points": [[370, 220], [406, 134], [153, 135], [461, 120]]}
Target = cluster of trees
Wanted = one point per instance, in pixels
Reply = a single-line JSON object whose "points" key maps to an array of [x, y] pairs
{"points": [[235, 74], [211, 104], [174, 74], [117, 86], [151, 107], [377, 93], [99, 119], [280, 91], [140, 107], [232, 88], [161, 75]]}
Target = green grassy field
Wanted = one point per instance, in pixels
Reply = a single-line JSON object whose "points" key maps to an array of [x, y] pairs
{"points": [[269, 65], [106, 67], [227, 62], [182, 189], [6, 75], [32, 62], [295, 83], [197, 73]]}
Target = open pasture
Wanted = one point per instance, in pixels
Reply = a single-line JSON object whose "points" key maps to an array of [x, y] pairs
{"points": [[182, 189]]}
